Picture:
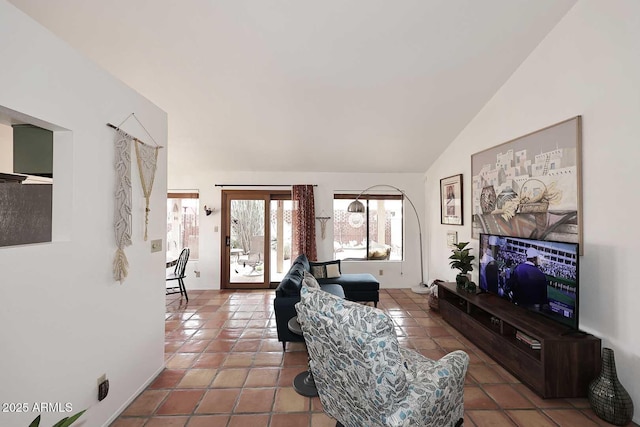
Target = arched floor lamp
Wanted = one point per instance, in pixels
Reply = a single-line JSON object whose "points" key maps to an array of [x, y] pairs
{"points": [[357, 207]]}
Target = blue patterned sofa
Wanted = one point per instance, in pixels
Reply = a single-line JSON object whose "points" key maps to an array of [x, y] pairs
{"points": [[361, 287], [365, 379]]}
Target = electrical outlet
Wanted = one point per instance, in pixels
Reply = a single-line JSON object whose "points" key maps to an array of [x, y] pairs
{"points": [[156, 245], [381, 272], [215, 229], [103, 387]]}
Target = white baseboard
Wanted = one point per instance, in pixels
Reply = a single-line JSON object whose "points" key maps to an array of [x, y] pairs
{"points": [[134, 396]]}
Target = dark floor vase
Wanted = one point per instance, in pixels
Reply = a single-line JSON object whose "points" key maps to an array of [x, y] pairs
{"points": [[608, 398]]}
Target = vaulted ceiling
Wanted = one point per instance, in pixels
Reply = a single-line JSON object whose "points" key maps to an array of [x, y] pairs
{"points": [[307, 85]]}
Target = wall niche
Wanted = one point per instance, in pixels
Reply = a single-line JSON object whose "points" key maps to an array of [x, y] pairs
{"points": [[26, 181]]}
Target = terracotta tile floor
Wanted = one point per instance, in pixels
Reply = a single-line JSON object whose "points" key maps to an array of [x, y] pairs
{"points": [[226, 368]]}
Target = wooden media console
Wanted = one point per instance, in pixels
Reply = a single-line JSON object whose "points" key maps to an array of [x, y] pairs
{"points": [[561, 362]]}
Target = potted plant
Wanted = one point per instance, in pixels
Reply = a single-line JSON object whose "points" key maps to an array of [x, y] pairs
{"points": [[461, 259], [65, 422]]}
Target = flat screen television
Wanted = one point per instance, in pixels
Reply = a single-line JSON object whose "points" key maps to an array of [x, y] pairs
{"points": [[539, 275]]}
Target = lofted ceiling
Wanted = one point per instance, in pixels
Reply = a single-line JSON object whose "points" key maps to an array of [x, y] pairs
{"points": [[307, 85]]}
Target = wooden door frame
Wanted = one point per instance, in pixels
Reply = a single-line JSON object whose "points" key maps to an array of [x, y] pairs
{"points": [[225, 223]]}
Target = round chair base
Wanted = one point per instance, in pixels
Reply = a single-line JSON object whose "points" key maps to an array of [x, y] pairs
{"points": [[304, 384]]}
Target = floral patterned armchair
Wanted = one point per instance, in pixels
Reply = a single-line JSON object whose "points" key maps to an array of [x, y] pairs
{"points": [[365, 379]]}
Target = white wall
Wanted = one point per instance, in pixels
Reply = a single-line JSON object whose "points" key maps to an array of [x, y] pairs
{"points": [[396, 274], [588, 65], [65, 321]]}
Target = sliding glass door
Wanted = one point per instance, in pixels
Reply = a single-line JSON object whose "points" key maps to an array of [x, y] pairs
{"points": [[257, 235]]}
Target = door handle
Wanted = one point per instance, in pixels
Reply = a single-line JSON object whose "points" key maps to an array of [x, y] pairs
{"points": [[228, 241]]}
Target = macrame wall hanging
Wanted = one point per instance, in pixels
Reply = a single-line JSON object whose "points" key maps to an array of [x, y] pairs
{"points": [[323, 225], [146, 159], [122, 219]]}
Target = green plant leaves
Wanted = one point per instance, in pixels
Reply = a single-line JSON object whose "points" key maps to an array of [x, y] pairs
{"points": [[461, 258], [65, 422]]}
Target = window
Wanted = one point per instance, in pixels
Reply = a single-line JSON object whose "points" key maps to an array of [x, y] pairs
{"points": [[183, 224], [375, 234]]}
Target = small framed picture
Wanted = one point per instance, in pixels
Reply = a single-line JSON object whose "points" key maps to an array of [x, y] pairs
{"points": [[451, 200], [452, 238]]}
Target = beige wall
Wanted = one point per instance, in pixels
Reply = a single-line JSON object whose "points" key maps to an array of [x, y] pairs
{"points": [[65, 321], [588, 65], [396, 274]]}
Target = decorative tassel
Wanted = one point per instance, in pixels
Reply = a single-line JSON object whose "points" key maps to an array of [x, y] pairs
{"points": [[120, 266]]}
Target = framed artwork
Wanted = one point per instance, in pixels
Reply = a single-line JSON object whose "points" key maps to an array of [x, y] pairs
{"points": [[531, 186], [452, 238], [451, 200]]}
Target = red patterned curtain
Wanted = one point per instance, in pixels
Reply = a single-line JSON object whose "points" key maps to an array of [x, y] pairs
{"points": [[304, 222]]}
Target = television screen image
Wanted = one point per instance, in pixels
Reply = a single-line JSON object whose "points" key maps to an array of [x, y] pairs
{"points": [[539, 275]]}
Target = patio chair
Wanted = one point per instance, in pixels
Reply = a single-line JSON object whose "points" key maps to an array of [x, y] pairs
{"points": [[255, 256]]}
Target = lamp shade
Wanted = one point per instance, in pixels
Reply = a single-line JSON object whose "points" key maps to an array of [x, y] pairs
{"points": [[356, 207]]}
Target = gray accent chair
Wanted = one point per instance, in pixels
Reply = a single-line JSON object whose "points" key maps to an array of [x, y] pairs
{"points": [[365, 379]]}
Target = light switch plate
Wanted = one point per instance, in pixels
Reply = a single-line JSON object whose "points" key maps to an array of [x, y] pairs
{"points": [[156, 245]]}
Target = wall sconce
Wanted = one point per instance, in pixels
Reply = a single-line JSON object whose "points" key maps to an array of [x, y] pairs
{"points": [[208, 211]]}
